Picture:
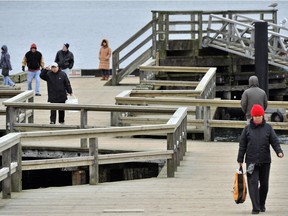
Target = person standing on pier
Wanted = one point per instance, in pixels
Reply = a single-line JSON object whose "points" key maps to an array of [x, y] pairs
{"points": [[58, 86], [104, 59], [34, 61], [253, 95], [5, 65], [65, 59], [254, 144]]}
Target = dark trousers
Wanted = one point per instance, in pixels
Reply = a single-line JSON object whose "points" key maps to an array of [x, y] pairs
{"points": [[61, 117], [105, 72], [258, 184]]}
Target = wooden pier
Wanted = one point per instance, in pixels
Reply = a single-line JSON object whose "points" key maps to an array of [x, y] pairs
{"points": [[203, 185]]}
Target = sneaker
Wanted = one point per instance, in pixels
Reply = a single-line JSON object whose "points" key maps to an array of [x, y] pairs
{"points": [[62, 123], [37, 94], [52, 122]]}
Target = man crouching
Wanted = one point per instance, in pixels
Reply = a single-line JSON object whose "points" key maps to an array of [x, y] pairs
{"points": [[58, 86]]}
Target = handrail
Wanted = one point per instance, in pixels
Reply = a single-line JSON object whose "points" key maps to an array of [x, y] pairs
{"points": [[236, 36], [160, 24], [10, 147]]}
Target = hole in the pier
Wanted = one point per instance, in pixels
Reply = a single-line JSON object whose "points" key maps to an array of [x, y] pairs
{"points": [[80, 175]]}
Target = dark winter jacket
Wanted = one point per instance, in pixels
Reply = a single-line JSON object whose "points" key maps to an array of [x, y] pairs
{"points": [[64, 59], [253, 95], [255, 143], [34, 60], [58, 85], [5, 58]]}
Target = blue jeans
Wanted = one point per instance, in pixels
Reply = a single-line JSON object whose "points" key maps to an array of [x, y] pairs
{"points": [[7, 81], [30, 76], [67, 71]]}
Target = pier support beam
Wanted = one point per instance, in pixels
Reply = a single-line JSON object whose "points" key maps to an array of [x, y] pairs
{"points": [[261, 55]]}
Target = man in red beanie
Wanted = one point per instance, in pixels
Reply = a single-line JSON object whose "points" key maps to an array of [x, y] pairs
{"points": [[34, 61], [255, 142]]}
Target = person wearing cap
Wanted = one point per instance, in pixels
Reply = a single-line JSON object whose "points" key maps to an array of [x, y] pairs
{"points": [[65, 59], [253, 95], [104, 59], [58, 86], [34, 61], [255, 142], [5, 65]]}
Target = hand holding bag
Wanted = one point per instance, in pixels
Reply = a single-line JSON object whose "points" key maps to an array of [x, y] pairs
{"points": [[72, 100], [240, 188]]}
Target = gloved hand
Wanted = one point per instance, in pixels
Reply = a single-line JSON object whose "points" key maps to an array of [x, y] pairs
{"points": [[23, 68]]}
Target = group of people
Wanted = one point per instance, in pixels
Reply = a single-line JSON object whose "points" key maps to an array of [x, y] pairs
{"points": [[56, 75], [34, 61]]}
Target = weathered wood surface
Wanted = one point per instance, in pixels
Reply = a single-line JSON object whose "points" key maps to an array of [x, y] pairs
{"points": [[202, 186]]}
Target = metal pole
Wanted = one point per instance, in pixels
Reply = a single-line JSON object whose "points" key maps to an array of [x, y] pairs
{"points": [[261, 55]]}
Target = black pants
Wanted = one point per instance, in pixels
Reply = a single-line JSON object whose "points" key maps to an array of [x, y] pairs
{"points": [[258, 184], [61, 117]]}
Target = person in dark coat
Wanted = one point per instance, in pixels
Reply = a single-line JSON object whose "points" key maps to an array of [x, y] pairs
{"points": [[34, 61], [58, 86], [255, 142], [5, 65], [65, 59], [253, 95]]}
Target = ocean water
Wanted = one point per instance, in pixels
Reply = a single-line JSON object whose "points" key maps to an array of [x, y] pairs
{"points": [[83, 24]]}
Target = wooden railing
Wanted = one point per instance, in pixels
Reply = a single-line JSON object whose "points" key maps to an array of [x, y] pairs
{"points": [[236, 35], [208, 107], [165, 26], [11, 146]]}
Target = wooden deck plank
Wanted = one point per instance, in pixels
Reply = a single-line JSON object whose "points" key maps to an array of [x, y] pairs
{"points": [[202, 186]]}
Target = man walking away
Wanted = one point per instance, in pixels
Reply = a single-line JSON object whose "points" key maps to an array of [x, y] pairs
{"points": [[253, 95]]}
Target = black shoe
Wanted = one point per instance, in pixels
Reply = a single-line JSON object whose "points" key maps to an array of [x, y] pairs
{"points": [[255, 211], [38, 94], [262, 209]]}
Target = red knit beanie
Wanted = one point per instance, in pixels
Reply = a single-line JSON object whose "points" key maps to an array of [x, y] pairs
{"points": [[33, 46], [257, 110]]}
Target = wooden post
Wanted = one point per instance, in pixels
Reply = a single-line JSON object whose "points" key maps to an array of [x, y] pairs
{"points": [[154, 35], [170, 162], [178, 136], [207, 129], [10, 119], [78, 177], [83, 125], [184, 125], [16, 156], [167, 31], [6, 183], [31, 118], [94, 168], [115, 67]]}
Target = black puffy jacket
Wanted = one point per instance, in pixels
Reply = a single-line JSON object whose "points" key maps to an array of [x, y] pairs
{"points": [[255, 143], [58, 85]]}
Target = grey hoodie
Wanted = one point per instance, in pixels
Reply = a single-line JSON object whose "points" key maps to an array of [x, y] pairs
{"points": [[5, 58], [253, 95]]}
